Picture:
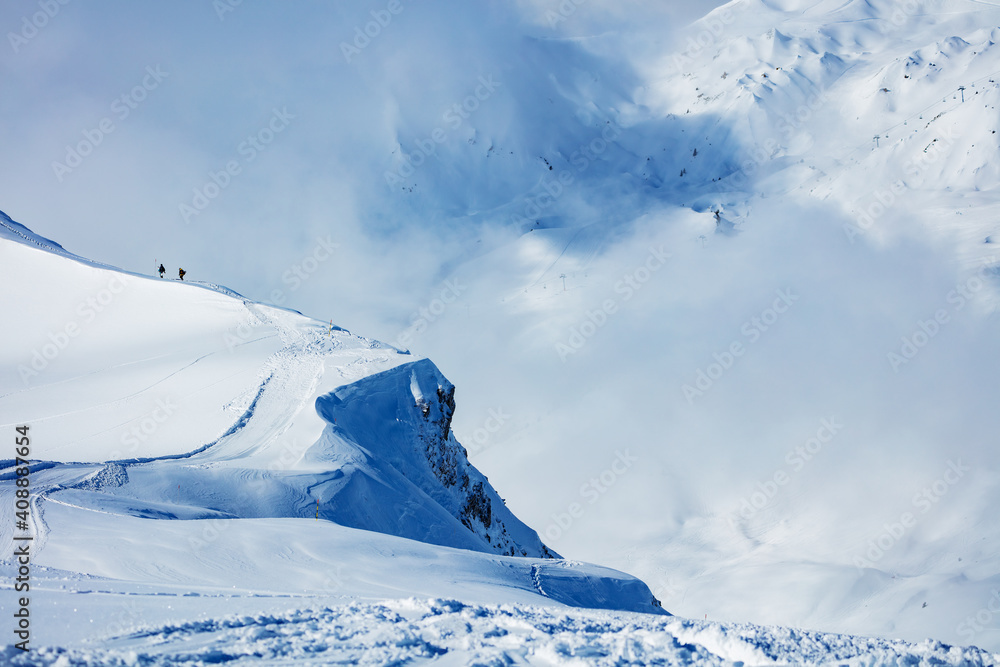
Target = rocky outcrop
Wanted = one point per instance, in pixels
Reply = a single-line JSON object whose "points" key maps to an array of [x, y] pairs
{"points": [[399, 423]]}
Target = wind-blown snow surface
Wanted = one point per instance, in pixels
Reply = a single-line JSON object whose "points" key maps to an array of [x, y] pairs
{"points": [[449, 632]]}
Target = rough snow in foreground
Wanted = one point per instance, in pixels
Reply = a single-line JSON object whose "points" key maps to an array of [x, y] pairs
{"points": [[450, 632]]}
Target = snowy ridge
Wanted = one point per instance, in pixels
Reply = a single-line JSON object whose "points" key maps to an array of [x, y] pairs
{"points": [[18, 232], [289, 381], [189, 440]]}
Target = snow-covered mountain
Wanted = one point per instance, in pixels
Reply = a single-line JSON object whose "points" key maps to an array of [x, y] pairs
{"points": [[190, 446], [721, 313], [185, 438], [199, 392]]}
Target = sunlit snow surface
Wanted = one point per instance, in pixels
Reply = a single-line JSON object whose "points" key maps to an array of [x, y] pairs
{"points": [[449, 632]]}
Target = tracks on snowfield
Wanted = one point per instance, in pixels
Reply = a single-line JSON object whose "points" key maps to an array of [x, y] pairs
{"points": [[287, 381], [536, 580]]}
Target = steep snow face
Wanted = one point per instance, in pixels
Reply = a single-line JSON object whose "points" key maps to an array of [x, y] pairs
{"points": [[395, 428]]}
